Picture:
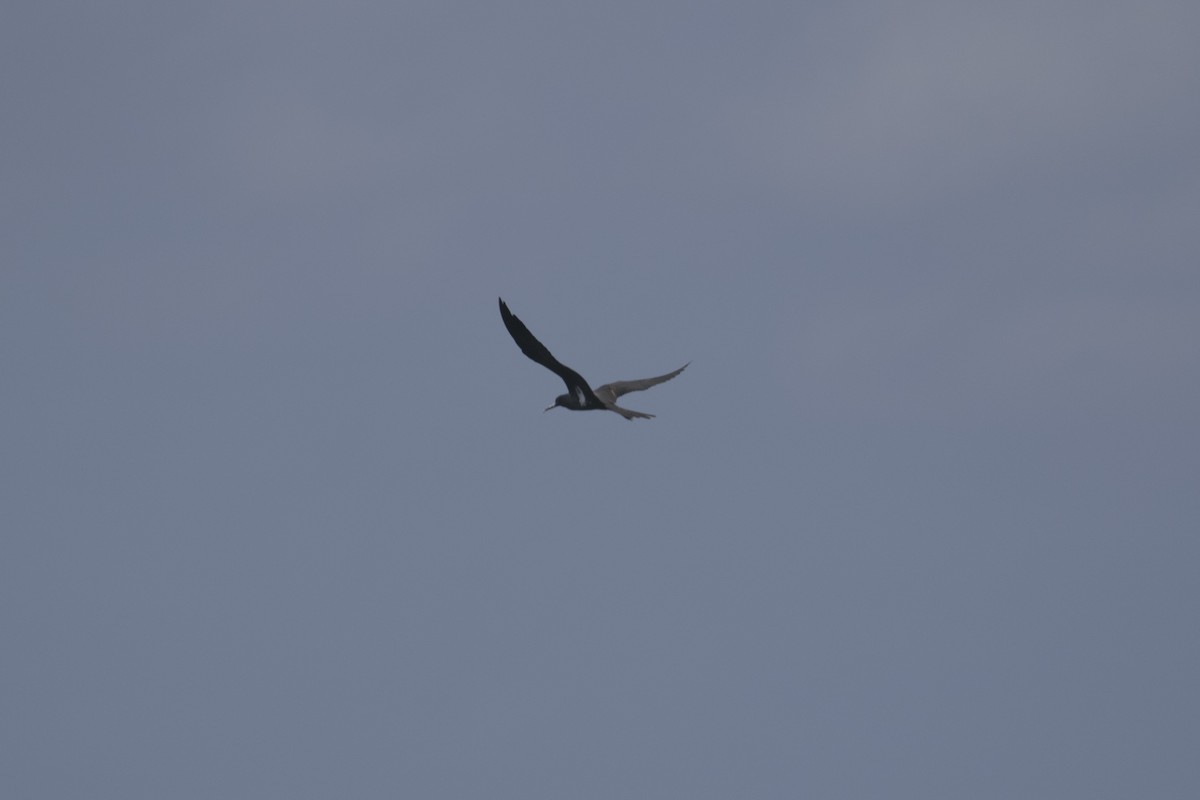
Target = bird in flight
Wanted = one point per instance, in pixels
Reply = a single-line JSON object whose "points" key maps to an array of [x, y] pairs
{"points": [[579, 396]]}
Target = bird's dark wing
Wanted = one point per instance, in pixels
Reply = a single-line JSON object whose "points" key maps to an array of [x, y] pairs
{"points": [[536, 351], [611, 391]]}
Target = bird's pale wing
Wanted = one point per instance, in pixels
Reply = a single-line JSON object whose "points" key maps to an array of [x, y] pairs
{"points": [[537, 352], [611, 391]]}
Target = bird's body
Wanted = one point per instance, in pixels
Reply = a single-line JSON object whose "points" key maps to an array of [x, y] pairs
{"points": [[580, 396]]}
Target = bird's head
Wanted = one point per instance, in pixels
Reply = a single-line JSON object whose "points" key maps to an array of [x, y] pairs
{"points": [[562, 400]]}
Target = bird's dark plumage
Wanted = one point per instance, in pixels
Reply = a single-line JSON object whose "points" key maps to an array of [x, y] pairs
{"points": [[579, 396], [577, 387]]}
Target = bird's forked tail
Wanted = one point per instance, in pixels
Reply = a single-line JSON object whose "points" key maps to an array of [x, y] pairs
{"points": [[627, 414]]}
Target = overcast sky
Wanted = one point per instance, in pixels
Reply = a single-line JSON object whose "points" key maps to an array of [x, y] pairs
{"points": [[281, 515]]}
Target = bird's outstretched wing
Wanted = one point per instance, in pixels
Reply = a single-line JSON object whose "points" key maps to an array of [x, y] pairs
{"points": [[611, 391], [536, 351]]}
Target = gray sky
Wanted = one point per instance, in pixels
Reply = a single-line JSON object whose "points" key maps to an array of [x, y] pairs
{"points": [[282, 516]]}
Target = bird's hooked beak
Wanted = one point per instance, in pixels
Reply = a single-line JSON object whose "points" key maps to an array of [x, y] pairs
{"points": [[551, 408]]}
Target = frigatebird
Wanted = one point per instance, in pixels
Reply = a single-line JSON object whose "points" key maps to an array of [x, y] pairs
{"points": [[579, 396]]}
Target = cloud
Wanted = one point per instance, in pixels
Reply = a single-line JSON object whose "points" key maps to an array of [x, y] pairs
{"points": [[939, 99]]}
